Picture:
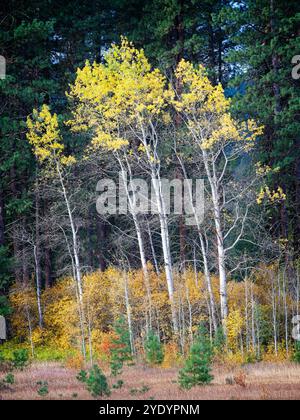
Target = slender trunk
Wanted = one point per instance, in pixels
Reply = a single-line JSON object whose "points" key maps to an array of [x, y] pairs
{"points": [[47, 250], [208, 284], [165, 244], [195, 267], [101, 235], [153, 251], [274, 313], [30, 330], [253, 318], [204, 254], [286, 323], [38, 286], [190, 311], [90, 343], [48, 277], [25, 265], [128, 310], [76, 262], [220, 240], [36, 249], [247, 315], [139, 237], [16, 243], [89, 324]]}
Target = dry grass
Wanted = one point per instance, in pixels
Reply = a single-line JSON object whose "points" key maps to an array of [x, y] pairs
{"points": [[256, 382]]}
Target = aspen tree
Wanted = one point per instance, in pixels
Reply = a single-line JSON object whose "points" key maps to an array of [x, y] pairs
{"points": [[206, 113], [44, 137], [123, 102]]}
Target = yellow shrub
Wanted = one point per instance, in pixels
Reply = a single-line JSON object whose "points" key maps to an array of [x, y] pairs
{"points": [[75, 362], [270, 354], [231, 359], [172, 357]]}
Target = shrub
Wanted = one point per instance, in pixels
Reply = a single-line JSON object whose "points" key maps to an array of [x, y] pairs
{"points": [[270, 354], [219, 341], [172, 356], [74, 362], [43, 388], [9, 379], [154, 349], [296, 355], [197, 367], [118, 385], [20, 359], [95, 381], [240, 379], [136, 391], [82, 376]]}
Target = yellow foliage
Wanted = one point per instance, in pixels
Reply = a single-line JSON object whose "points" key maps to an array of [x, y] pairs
{"points": [[25, 311], [44, 136], [172, 356], [104, 301], [270, 354], [234, 324], [75, 362], [272, 196], [206, 111], [117, 96]]}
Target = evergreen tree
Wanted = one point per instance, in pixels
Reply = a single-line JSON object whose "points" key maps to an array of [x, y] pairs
{"points": [[154, 350], [96, 382], [176, 29], [266, 38], [197, 369], [121, 349]]}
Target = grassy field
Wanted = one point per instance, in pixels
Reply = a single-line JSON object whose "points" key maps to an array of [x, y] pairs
{"points": [[260, 382]]}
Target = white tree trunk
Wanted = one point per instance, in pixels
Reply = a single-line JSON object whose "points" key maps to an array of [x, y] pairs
{"points": [[76, 260], [38, 287], [204, 254], [220, 239], [128, 310], [165, 244], [139, 238]]}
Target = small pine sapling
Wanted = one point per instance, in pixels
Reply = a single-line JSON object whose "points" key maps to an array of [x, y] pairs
{"points": [[121, 350], [154, 349], [95, 381], [197, 369]]}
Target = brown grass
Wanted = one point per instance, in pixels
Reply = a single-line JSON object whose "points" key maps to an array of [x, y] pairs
{"points": [[254, 382]]}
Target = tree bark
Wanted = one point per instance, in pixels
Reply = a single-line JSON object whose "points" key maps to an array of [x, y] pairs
{"points": [[37, 256], [220, 239]]}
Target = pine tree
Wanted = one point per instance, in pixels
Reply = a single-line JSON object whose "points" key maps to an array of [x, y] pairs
{"points": [[266, 36], [96, 382], [154, 350], [121, 350], [197, 369]]}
